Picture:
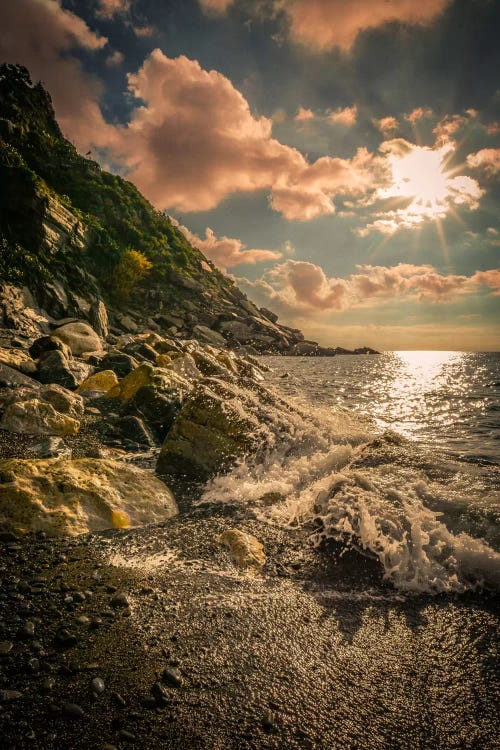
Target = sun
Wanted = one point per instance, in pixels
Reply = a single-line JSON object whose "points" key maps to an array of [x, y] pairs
{"points": [[420, 175]]}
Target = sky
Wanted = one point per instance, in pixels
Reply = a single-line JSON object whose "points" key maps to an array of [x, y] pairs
{"points": [[340, 160]]}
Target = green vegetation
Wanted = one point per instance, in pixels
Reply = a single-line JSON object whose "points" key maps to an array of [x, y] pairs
{"points": [[130, 271], [37, 163]]}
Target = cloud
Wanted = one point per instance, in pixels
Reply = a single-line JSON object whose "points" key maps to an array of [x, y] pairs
{"points": [[41, 35], [194, 141], [346, 116], [228, 252], [144, 31], [215, 7], [323, 24], [300, 286], [304, 114], [487, 160], [418, 114], [111, 8], [387, 125], [116, 58]]}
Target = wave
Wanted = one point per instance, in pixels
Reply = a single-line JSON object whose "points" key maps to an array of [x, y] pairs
{"points": [[427, 520]]}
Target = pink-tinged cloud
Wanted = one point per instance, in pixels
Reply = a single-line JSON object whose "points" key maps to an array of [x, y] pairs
{"points": [[346, 116], [40, 34], [111, 8], [194, 141], [387, 125], [228, 252], [323, 24], [419, 113], [215, 7], [300, 286], [487, 160], [304, 115], [490, 279]]}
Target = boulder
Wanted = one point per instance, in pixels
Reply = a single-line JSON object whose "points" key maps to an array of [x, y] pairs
{"points": [[185, 366], [148, 375], [158, 407], [101, 381], [48, 344], [63, 401], [80, 338], [18, 359], [268, 314], [237, 329], [54, 367], [205, 334], [77, 496], [128, 431], [128, 324], [98, 318], [121, 364], [35, 417], [213, 429]]}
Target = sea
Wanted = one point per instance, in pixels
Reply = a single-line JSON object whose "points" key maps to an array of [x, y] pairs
{"points": [[395, 455]]}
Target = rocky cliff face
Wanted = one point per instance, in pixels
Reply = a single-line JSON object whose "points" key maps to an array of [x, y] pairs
{"points": [[66, 227]]}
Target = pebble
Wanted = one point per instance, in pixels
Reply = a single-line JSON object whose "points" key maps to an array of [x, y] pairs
{"points": [[27, 630], [172, 677], [5, 647], [119, 700], [73, 711], [124, 734], [48, 684], [97, 686], [119, 600], [6, 696], [160, 693], [66, 639]]}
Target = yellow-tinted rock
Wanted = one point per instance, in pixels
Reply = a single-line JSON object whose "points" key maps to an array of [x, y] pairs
{"points": [[246, 551], [163, 360], [130, 384], [102, 381], [147, 375], [36, 417], [61, 496]]}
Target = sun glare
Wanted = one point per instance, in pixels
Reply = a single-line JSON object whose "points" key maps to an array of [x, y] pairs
{"points": [[420, 176]]}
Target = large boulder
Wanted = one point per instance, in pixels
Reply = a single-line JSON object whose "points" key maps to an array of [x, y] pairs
{"points": [[208, 336], [101, 381], [158, 407], [127, 432], [55, 367], [76, 496], [148, 375], [35, 417], [80, 338], [13, 378], [63, 401], [218, 423]]}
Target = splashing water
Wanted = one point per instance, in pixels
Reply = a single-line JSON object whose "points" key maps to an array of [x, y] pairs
{"points": [[432, 521]]}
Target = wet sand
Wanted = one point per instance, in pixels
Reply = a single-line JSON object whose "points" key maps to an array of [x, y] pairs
{"points": [[314, 652]]}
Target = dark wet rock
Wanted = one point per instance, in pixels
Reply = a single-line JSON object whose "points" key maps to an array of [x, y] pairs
{"points": [[6, 647], [47, 344], [122, 364], [160, 694], [158, 407], [65, 639], [126, 736], [129, 429], [141, 351], [54, 367], [73, 711]]}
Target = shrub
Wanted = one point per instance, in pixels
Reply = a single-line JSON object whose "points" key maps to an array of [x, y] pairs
{"points": [[130, 271]]}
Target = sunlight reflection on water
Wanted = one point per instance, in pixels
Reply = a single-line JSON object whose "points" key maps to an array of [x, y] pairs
{"points": [[440, 398]]}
